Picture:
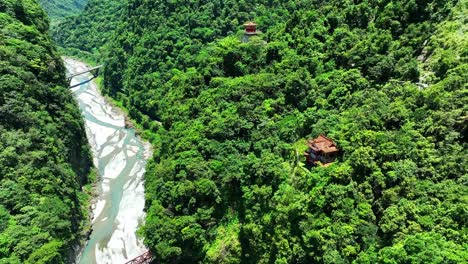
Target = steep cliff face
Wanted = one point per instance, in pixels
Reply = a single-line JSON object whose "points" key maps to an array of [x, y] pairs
{"points": [[44, 156]]}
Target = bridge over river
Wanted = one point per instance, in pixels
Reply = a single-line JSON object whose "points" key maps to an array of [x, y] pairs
{"points": [[93, 70]]}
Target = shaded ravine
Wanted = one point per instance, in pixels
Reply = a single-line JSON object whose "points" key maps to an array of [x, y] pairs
{"points": [[120, 157]]}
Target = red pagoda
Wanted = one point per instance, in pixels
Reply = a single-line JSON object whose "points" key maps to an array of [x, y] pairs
{"points": [[250, 31], [250, 28], [321, 149]]}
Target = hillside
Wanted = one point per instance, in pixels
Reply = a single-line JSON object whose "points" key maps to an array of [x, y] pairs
{"points": [[85, 34], [386, 80], [59, 9], [44, 156]]}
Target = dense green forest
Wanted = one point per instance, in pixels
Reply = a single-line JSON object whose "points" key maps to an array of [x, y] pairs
{"points": [[84, 35], [44, 156], [387, 80], [59, 9]]}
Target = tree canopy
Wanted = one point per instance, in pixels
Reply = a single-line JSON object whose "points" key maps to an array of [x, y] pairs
{"points": [[85, 34], [44, 156], [227, 184], [59, 9]]}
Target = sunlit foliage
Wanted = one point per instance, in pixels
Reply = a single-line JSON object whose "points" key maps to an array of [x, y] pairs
{"points": [[44, 158], [385, 79]]}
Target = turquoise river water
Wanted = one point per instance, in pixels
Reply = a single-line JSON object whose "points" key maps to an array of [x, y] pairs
{"points": [[120, 157]]}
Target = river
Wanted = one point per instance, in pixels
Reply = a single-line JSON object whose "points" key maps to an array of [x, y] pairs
{"points": [[120, 157]]}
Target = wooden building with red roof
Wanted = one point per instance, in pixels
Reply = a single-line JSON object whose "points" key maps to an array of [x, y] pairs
{"points": [[250, 28], [321, 149], [250, 31]]}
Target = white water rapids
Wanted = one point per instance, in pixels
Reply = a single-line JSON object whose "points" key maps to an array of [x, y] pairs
{"points": [[120, 158]]}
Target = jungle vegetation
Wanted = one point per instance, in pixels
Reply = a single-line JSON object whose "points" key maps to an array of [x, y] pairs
{"points": [[44, 156], [387, 80], [85, 34], [226, 184], [60, 9]]}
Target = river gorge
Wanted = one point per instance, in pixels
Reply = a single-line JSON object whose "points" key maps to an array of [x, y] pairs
{"points": [[120, 158]]}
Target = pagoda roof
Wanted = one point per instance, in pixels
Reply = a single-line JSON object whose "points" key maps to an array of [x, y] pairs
{"points": [[322, 144], [250, 23]]}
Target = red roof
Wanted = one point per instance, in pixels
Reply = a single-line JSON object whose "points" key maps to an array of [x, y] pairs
{"points": [[323, 144]]}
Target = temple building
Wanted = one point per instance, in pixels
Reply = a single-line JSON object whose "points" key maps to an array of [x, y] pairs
{"points": [[250, 31], [321, 149]]}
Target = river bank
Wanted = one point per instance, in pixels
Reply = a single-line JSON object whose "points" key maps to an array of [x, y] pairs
{"points": [[120, 158]]}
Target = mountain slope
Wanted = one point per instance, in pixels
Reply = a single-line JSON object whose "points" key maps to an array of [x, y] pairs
{"points": [[86, 33], [227, 183], [59, 9], [44, 157]]}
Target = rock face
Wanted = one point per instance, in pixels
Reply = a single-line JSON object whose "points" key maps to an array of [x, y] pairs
{"points": [[128, 123]]}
